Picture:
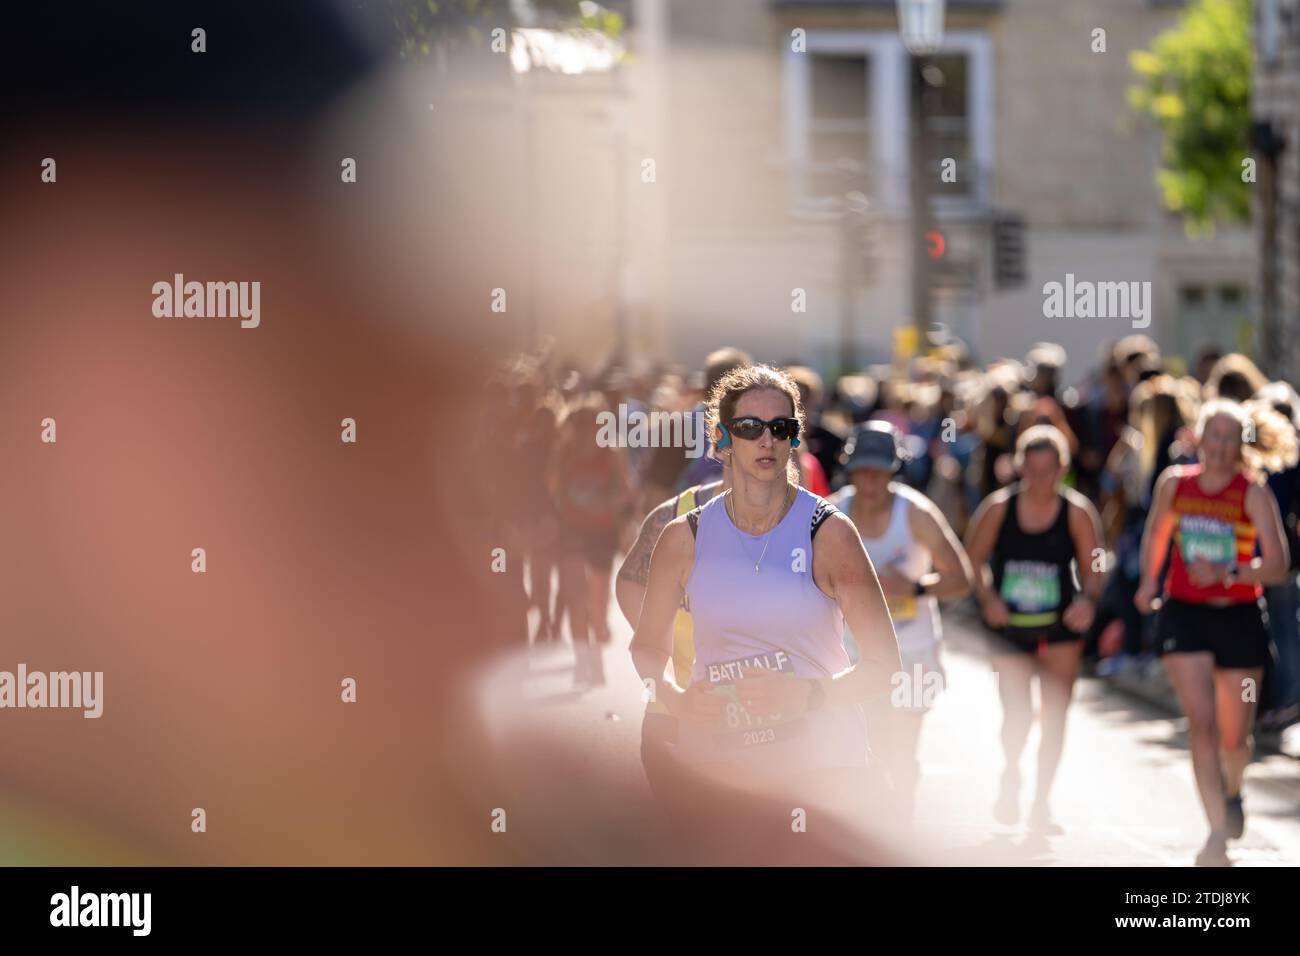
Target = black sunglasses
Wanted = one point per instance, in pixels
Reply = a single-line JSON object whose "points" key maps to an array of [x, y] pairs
{"points": [[752, 428]]}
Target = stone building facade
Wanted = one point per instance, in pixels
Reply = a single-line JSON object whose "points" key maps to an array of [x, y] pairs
{"points": [[1276, 146], [755, 115]]}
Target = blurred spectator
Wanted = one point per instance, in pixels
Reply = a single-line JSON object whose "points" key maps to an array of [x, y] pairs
{"points": [[1138, 358], [1158, 435], [1236, 377], [704, 468], [1206, 359], [1283, 599], [592, 490], [819, 442], [997, 435]]}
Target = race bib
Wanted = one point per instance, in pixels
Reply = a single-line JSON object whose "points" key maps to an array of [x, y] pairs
{"points": [[1201, 537], [1031, 587], [739, 728]]}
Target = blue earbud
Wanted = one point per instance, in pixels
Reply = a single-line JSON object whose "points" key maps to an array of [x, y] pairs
{"points": [[725, 440], [794, 442]]}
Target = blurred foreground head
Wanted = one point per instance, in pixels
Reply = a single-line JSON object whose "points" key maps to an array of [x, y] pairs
{"points": [[325, 560]]}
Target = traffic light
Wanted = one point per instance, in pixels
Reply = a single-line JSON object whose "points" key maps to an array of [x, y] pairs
{"points": [[935, 243], [944, 263], [1008, 250]]}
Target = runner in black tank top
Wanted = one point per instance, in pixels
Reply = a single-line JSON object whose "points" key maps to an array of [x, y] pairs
{"points": [[1025, 585], [1031, 573]]}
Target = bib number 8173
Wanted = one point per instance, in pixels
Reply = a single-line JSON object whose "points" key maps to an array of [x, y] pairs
{"points": [[738, 717]]}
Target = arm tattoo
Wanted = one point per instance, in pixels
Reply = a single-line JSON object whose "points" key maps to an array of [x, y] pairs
{"points": [[636, 566]]}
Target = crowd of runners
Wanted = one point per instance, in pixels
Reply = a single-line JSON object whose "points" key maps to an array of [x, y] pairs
{"points": [[784, 579]]}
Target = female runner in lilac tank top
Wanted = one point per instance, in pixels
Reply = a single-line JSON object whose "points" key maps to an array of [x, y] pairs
{"points": [[770, 573]]}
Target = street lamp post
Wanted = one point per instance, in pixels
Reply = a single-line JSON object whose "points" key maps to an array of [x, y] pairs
{"points": [[1265, 139], [920, 25], [920, 202]]}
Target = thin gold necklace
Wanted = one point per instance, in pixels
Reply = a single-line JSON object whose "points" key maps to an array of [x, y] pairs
{"points": [[767, 534]]}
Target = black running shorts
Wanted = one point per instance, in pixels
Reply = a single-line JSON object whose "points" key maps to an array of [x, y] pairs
{"points": [[1236, 634], [1023, 640]]}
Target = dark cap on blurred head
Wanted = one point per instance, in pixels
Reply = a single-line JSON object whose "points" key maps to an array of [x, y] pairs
{"points": [[874, 444]]}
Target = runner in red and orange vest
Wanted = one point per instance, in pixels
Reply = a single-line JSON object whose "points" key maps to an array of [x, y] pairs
{"points": [[1211, 629]]}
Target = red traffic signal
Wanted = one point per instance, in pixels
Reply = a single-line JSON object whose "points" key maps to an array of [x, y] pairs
{"points": [[934, 243]]}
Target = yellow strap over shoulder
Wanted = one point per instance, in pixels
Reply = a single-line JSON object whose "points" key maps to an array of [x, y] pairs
{"points": [[686, 501], [683, 629]]}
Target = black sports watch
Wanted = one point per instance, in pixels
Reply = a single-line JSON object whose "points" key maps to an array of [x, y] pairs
{"points": [[816, 695]]}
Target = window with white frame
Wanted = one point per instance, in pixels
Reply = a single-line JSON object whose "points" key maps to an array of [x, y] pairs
{"points": [[946, 110], [1219, 314], [839, 130], [849, 96]]}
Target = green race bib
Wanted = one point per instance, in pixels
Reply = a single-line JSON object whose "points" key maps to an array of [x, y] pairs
{"points": [[1209, 539], [1032, 592]]}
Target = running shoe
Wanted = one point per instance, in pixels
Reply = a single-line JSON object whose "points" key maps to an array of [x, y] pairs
{"points": [[1236, 824], [1111, 666], [1279, 718], [1215, 851]]}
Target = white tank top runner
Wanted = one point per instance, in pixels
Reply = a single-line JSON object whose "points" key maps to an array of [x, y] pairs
{"points": [[916, 620]]}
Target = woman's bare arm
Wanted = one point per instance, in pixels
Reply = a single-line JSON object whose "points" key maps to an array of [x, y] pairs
{"points": [[952, 565], [1159, 526], [981, 538], [1085, 529], [842, 569], [652, 642], [634, 573], [1274, 563]]}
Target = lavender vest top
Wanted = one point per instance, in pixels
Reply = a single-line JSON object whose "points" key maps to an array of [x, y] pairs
{"points": [[774, 618]]}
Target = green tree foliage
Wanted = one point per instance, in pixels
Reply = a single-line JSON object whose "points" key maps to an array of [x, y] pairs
{"points": [[424, 25], [1196, 85]]}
